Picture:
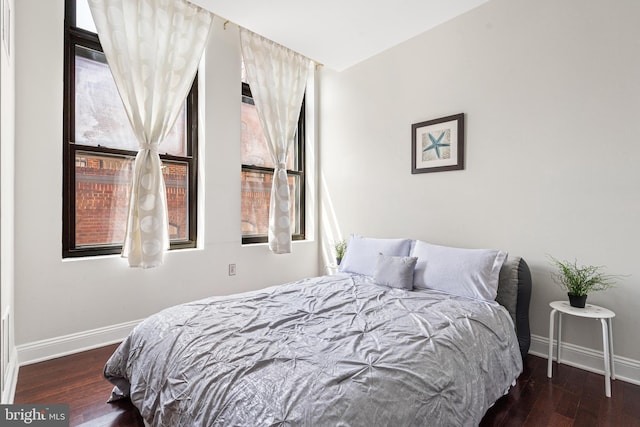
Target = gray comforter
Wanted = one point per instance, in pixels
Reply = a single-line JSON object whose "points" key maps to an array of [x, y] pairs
{"points": [[327, 351]]}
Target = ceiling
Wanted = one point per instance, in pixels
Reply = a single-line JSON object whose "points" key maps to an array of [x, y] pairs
{"points": [[338, 33]]}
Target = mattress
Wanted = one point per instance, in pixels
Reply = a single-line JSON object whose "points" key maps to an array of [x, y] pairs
{"points": [[331, 350]]}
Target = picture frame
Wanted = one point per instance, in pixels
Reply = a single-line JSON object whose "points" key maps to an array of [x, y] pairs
{"points": [[438, 145]]}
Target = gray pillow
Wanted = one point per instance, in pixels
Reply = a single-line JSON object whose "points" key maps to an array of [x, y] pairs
{"points": [[360, 257], [395, 271]]}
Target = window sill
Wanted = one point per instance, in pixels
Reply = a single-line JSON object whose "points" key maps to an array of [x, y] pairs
{"points": [[113, 256]]}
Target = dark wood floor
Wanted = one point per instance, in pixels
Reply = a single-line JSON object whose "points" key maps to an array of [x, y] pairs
{"points": [[77, 380], [572, 398]]}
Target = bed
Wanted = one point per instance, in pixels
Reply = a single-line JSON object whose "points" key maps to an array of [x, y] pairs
{"points": [[344, 349]]}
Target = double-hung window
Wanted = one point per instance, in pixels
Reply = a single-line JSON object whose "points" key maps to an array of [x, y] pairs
{"points": [[257, 175], [99, 149]]}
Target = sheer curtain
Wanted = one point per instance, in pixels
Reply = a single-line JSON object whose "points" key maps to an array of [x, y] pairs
{"points": [[277, 77], [153, 48]]}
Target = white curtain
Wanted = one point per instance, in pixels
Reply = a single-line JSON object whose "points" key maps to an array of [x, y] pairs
{"points": [[153, 48], [277, 77]]}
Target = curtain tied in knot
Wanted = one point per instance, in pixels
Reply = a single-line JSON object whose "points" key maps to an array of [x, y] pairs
{"points": [[277, 77], [150, 146], [160, 43]]}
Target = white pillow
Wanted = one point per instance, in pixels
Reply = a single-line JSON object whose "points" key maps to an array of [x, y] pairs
{"points": [[395, 271], [362, 253], [472, 273]]}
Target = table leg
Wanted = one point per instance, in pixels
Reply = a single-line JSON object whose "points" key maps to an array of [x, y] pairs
{"points": [[613, 362], [607, 363], [559, 341], [550, 356]]}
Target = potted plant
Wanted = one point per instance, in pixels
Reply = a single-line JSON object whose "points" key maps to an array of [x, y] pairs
{"points": [[579, 280], [340, 247]]}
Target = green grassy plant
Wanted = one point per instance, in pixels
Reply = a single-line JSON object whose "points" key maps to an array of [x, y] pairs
{"points": [[340, 248], [581, 279]]}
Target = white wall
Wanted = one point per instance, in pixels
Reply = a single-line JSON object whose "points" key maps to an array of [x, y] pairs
{"points": [[56, 297], [551, 93], [7, 149]]}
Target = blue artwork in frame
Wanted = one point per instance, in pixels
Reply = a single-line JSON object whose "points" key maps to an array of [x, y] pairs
{"points": [[438, 145]]}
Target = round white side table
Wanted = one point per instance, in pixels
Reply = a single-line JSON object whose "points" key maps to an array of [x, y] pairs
{"points": [[592, 312]]}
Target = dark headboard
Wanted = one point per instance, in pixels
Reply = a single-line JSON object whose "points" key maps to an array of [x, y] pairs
{"points": [[514, 293]]}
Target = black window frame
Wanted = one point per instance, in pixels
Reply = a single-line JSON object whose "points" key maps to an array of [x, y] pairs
{"points": [[247, 97], [74, 36]]}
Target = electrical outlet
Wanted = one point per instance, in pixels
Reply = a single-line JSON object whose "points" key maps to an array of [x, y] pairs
{"points": [[232, 269]]}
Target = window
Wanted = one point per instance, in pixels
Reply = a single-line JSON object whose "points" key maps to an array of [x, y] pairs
{"points": [[257, 175], [100, 147]]}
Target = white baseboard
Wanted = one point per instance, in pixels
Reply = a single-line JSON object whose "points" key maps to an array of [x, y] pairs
{"points": [[11, 381], [74, 343], [585, 358], [573, 355]]}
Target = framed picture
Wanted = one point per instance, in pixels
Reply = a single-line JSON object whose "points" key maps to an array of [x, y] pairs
{"points": [[438, 145]]}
